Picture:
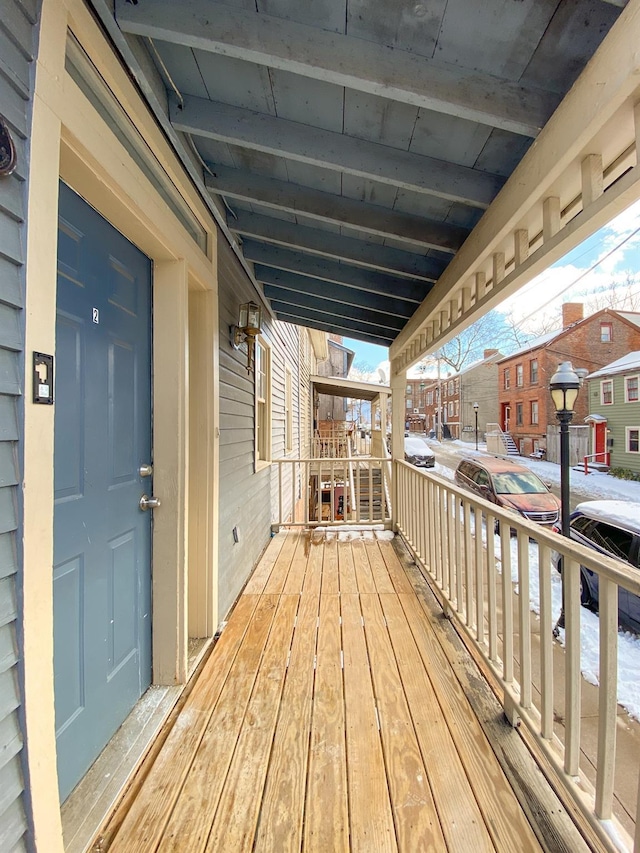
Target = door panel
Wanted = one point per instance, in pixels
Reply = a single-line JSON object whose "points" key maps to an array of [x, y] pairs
{"points": [[102, 540]]}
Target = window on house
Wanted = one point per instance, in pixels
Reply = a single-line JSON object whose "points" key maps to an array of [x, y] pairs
{"points": [[534, 411], [606, 333], [408, 389], [519, 375], [288, 411], [633, 439], [507, 378], [429, 398], [450, 388], [455, 408], [631, 389], [450, 410], [533, 371], [606, 392], [519, 414], [263, 401]]}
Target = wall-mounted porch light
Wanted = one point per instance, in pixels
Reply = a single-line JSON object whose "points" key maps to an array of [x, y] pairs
{"points": [[247, 330]]}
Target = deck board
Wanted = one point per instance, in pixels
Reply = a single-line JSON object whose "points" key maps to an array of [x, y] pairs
{"points": [[281, 817], [326, 824], [330, 716]]}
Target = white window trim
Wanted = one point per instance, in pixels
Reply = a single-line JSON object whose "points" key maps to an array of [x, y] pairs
{"points": [[626, 439], [626, 388], [603, 382], [263, 461]]}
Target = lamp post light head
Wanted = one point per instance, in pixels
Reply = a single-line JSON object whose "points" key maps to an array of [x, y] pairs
{"points": [[564, 386], [476, 406]]}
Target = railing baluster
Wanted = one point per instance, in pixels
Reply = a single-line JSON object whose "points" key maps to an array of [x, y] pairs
{"points": [[607, 702], [491, 588], [444, 507], [546, 640], [507, 602], [479, 584], [571, 573], [468, 562], [458, 534], [524, 610]]}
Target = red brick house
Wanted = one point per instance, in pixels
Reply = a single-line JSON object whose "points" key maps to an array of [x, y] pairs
{"points": [[525, 407]]}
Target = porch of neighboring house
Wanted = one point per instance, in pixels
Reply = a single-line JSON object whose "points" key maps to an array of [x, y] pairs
{"points": [[339, 710]]}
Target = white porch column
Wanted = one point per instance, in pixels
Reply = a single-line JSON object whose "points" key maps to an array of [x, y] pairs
{"points": [[398, 414]]}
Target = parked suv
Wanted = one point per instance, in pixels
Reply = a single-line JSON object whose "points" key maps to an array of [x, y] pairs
{"points": [[509, 485], [611, 528]]}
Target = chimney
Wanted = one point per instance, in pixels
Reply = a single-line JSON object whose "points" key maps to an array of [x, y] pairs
{"points": [[572, 312], [490, 352]]}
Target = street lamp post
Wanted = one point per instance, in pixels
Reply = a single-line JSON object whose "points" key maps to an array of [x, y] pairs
{"points": [[564, 386], [475, 409]]}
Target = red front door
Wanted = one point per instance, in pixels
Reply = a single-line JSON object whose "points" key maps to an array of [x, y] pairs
{"points": [[600, 441]]}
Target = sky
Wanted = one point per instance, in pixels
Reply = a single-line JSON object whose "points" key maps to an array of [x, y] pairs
{"points": [[611, 254]]}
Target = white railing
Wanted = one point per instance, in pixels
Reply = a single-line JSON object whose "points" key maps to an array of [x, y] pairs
{"points": [[475, 575], [331, 491], [496, 440]]}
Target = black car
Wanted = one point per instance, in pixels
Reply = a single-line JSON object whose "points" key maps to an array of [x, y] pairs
{"points": [[610, 527]]}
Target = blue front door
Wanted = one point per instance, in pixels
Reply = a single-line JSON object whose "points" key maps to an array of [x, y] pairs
{"points": [[102, 540]]}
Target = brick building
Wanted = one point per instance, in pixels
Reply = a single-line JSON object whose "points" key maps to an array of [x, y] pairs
{"points": [[458, 392], [525, 406]]}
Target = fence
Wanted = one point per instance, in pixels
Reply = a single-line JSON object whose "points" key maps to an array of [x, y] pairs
{"points": [[578, 443]]}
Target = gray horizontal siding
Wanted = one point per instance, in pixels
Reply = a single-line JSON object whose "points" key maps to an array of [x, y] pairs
{"points": [[17, 23], [247, 496], [244, 494]]}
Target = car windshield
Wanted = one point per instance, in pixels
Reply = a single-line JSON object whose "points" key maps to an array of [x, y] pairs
{"points": [[513, 483]]}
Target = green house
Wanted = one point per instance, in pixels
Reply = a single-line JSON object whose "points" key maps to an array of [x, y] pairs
{"points": [[614, 413]]}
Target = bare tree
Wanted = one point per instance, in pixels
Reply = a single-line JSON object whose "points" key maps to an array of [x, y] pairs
{"points": [[487, 332], [620, 294], [544, 323]]}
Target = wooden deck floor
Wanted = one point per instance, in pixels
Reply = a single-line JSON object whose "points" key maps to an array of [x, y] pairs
{"points": [[330, 716]]}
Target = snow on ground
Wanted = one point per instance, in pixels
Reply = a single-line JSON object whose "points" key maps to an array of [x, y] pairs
{"points": [[594, 486]]}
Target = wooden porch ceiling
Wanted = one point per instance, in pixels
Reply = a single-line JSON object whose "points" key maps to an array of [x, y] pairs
{"points": [[356, 144], [338, 712]]}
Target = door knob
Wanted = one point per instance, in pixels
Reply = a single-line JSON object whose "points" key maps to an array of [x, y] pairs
{"points": [[145, 470], [149, 503]]}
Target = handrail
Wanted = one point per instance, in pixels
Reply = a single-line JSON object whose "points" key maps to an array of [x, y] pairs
{"points": [[594, 456], [472, 573], [310, 491]]}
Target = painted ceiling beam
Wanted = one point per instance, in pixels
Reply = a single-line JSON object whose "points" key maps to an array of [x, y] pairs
{"points": [[355, 277], [339, 210], [334, 308], [281, 232], [298, 285], [341, 59], [299, 317], [327, 149]]}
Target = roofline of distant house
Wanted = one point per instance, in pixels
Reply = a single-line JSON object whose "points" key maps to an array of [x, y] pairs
{"points": [[562, 332]]}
